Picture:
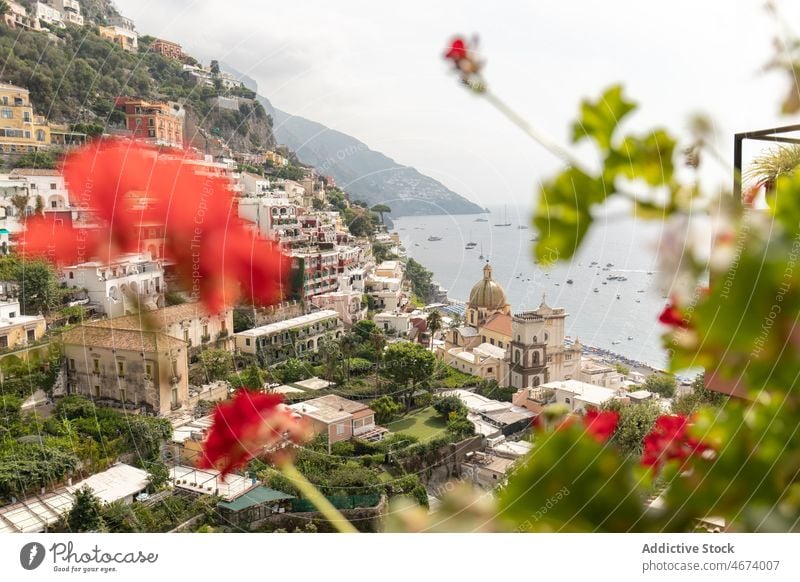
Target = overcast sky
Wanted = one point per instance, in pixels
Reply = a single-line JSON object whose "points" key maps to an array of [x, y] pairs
{"points": [[374, 70]]}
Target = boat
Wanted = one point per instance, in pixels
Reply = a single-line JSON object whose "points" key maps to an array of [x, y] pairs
{"points": [[617, 295], [609, 265], [434, 238], [569, 281], [558, 284], [481, 257], [605, 282], [481, 220], [522, 227], [615, 342], [630, 337], [596, 289], [505, 219]]}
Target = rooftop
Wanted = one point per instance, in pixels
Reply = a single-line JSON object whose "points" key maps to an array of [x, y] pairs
{"points": [[330, 408], [488, 350], [255, 496], [499, 323], [118, 482], [277, 327], [588, 393], [124, 339], [210, 482], [156, 319]]}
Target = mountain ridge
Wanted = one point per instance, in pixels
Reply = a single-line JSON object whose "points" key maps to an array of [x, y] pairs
{"points": [[364, 173]]}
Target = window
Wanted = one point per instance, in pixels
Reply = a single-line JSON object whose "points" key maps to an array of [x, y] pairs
{"points": [[339, 429], [247, 341], [31, 335], [71, 275], [53, 204], [71, 363], [566, 400], [186, 335], [120, 368], [536, 381], [148, 369], [3, 341], [53, 186], [535, 340], [205, 330], [174, 367], [96, 366], [491, 340], [7, 114], [12, 315], [489, 370], [97, 390], [123, 394], [26, 115], [39, 135]]}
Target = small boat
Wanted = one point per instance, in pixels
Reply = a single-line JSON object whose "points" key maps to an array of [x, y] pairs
{"points": [[630, 337], [638, 301], [617, 295], [558, 284], [649, 272], [522, 227], [416, 244], [615, 342], [434, 238], [605, 282], [609, 265], [481, 220], [569, 281], [505, 219], [596, 289]]}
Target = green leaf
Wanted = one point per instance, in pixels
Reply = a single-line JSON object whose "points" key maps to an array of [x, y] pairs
{"points": [[599, 120], [563, 215], [571, 483], [649, 158]]}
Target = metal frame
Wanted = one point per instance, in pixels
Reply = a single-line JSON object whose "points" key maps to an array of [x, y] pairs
{"points": [[771, 135]]}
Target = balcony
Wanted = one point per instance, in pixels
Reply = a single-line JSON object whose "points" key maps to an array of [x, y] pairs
{"points": [[205, 339]]}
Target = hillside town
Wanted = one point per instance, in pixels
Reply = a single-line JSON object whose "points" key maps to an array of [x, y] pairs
{"points": [[110, 369]]}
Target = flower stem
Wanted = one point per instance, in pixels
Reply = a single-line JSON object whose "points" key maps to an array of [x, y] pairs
{"points": [[325, 507], [523, 124]]}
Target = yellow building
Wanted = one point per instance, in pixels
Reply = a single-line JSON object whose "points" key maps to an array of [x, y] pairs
{"points": [[16, 329], [20, 130]]}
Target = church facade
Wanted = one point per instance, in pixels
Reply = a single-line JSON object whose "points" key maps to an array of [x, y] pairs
{"points": [[521, 350]]}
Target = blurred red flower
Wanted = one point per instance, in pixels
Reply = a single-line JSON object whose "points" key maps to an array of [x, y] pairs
{"points": [[670, 441], [246, 427], [457, 50], [132, 187], [601, 425], [672, 317]]}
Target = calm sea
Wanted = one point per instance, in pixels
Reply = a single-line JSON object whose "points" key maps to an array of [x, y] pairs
{"points": [[617, 315]]}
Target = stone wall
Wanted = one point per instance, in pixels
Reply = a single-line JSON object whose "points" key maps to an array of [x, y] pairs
{"points": [[365, 519]]}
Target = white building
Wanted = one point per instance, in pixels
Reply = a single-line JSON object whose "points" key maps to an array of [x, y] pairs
{"points": [[575, 395], [484, 361], [128, 284], [596, 372], [296, 337], [70, 11], [45, 192], [49, 14], [255, 185], [393, 322], [346, 303], [493, 418], [386, 292]]}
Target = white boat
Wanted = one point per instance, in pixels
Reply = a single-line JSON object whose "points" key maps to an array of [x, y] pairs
{"points": [[434, 238], [505, 219]]}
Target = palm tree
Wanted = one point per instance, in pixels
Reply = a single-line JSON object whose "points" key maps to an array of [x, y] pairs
{"points": [[347, 345], [381, 209], [434, 324], [765, 169]]}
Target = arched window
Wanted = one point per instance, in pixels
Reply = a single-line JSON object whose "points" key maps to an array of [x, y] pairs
{"points": [[535, 358], [535, 340]]}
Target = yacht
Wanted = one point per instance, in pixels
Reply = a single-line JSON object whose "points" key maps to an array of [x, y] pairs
{"points": [[505, 218], [569, 281], [481, 220], [596, 290], [434, 238]]}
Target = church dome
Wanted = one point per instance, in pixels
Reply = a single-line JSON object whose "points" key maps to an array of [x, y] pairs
{"points": [[487, 293]]}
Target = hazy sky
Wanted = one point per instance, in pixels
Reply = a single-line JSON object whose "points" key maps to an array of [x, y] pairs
{"points": [[374, 70]]}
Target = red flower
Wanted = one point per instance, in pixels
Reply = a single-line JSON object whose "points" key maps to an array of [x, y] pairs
{"points": [[601, 425], [670, 441], [246, 427], [132, 188], [672, 317], [457, 50]]}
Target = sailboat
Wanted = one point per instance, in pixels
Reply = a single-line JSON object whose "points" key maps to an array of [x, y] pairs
{"points": [[481, 257], [505, 218], [471, 245]]}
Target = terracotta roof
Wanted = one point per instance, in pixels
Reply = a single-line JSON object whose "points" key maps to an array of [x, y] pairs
{"points": [[499, 323], [156, 319], [123, 339]]}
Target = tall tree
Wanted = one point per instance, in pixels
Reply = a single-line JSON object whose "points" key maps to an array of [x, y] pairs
{"points": [[434, 324], [407, 365], [381, 209], [348, 344]]}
